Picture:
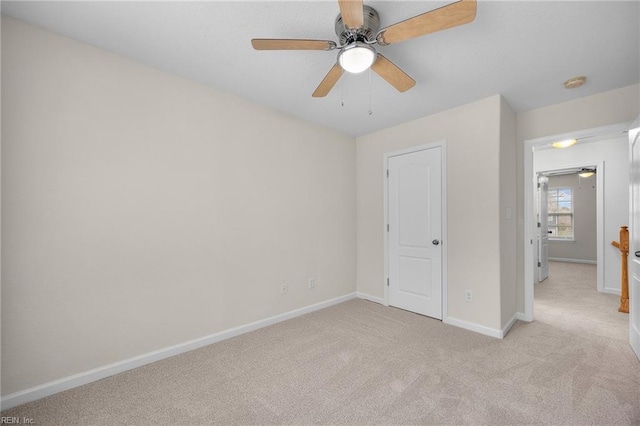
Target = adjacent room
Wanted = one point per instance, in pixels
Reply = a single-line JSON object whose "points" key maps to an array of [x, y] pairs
{"points": [[319, 212]]}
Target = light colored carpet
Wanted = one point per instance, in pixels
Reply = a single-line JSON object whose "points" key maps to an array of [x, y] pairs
{"points": [[362, 363]]}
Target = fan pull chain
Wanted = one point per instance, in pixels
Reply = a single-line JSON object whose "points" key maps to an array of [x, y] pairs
{"points": [[370, 108]]}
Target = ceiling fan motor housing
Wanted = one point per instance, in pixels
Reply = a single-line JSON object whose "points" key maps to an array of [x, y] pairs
{"points": [[367, 32]]}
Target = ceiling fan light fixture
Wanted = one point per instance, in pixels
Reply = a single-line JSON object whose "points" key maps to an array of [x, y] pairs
{"points": [[585, 173], [357, 57], [357, 27], [565, 143]]}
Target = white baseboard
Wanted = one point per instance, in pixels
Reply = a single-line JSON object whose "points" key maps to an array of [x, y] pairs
{"points": [[562, 259], [456, 322], [488, 331], [615, 291], [522, 317], [66, 383], [370, 298]]}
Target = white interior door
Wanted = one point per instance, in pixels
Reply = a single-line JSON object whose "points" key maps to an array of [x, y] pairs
{"points": [[634, 239], [543, 228], [415, 231]]}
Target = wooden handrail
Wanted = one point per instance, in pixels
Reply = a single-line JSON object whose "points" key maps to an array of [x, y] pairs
{"points": [[623, 246]]}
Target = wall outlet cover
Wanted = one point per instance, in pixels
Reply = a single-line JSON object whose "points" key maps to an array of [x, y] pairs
{"points": [[468, 295]]}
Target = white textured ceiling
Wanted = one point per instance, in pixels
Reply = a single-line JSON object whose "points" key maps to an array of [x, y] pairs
{"points": [[521, 49]]}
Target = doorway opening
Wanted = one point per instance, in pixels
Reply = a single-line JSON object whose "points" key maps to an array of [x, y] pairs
{"points": [[610, 132], [569, 206]]}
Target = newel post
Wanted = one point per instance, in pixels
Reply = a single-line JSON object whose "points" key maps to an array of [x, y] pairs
{"points": [[623, 246]]}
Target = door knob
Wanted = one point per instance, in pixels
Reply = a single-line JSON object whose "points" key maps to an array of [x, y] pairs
{"points": [[637, 253], [436, 242]]}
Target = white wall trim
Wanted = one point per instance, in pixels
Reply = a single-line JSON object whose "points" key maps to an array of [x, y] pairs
{"points": [[562, 259], [521, 317], [600, 242], [385, 184], [487, 331], [528, 231], [445, 239], [370, 298], [66, 383]]}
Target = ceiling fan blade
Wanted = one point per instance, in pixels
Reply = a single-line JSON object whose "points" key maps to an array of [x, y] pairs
{"points": [[452, 15], [328, 82], [394, 75], [291, 44], [352, 13]]}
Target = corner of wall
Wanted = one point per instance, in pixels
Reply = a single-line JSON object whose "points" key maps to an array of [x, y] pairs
{"points": [[472, 148], [508, 214]]}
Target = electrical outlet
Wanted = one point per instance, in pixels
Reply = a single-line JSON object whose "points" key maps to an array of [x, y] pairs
{"points": [[468, 295], [283, 289], [311, 283]]}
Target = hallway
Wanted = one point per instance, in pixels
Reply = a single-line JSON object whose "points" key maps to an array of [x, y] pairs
{"points": [[568, 300]]}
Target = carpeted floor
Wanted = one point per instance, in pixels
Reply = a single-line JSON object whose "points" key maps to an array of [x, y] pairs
{"points": [[362, 363]]}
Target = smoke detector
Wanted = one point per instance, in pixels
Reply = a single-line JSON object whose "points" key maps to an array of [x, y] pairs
{"points": [[574, 82]]}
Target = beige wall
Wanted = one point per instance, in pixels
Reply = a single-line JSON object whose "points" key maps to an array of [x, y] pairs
{"points": [[141, 210], [614, 106], [1, 325], [472, 133]]}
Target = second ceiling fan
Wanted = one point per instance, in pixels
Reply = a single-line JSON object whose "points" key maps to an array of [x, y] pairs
{"points": [[357, 29]]}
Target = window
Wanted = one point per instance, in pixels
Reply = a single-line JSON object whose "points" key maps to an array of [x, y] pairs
{"points": [[560, 208]]}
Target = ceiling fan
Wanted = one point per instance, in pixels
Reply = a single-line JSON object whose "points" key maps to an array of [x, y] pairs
{"points": [[357, 29]]}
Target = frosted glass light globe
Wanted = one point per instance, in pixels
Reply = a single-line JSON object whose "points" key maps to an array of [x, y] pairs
{"points": [[357, 57]]}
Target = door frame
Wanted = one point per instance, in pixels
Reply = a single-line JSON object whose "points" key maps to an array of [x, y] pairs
{"points": [[599, 167], [529, 231], [443, 208], [539, 232], [634, 341]]}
